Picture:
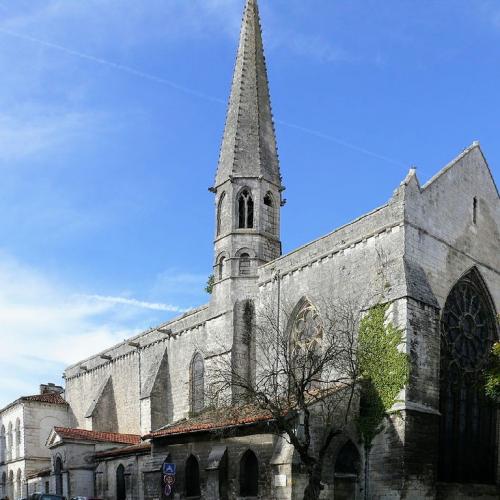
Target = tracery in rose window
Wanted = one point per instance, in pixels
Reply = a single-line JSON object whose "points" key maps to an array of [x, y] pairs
{"points": [[468, 419], [307, 329], [306, 335]]}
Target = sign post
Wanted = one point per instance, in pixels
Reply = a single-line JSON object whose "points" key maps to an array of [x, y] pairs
{"points": [[169, 471]]}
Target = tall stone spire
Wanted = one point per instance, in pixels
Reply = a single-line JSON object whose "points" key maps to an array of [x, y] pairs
{"points": [[249, 142]]}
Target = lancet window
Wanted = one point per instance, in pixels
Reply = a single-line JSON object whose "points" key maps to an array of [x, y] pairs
{"points": [[245, 210], [269, 214], [197, 383]]}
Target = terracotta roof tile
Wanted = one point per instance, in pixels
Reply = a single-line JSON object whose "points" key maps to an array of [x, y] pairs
{"points": [[108, 437], [117, 452], [213, 420], [51, 398]]}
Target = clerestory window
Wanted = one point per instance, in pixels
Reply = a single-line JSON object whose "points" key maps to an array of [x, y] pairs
{"points": [[197, 384]]}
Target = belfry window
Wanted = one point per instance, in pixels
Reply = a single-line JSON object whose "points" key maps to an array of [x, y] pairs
{"points": [[467, 433], [474, 210], [220, 208], [221, 267], [269, 214], [245, 210], [197, 383]]}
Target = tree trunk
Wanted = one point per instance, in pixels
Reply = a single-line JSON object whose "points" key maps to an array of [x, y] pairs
{"points": [[314, 486], [367, 472]]}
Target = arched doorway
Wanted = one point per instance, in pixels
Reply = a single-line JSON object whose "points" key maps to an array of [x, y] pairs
{"points": [[467, 433], [58, 472], [192, 477], [347, 468], [223, 478], [249, 475], [121, 490]]}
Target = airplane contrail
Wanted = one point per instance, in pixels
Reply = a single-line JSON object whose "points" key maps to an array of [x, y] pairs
{"points": [[190, 91]]}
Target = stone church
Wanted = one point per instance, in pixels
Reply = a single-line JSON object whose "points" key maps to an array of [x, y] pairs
{"points": [[141, 403]]}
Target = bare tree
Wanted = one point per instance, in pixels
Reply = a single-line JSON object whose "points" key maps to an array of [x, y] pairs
{"points": [[306, 377], [314, 367]]}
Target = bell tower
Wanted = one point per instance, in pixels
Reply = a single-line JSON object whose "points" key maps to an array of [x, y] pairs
{"points": [[248, 188]]}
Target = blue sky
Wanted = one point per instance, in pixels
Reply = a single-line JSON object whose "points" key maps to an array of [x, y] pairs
{"points": [[111, 117]]}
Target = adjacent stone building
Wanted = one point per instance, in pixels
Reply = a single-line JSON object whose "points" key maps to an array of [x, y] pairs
{"points": [[25, 425], [434, 248]]}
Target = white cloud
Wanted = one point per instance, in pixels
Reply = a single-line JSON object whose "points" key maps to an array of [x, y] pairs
{"points": [[154, 306], [31, 130], [100, 22], [46, 325], [312, 47]]}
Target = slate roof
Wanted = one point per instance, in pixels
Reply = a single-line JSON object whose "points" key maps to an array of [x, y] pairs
{"points": [[249, 143], [106, 437], [213, 420]]}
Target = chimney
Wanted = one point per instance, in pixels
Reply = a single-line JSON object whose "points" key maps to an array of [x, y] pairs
{"points": [[50, 388]]}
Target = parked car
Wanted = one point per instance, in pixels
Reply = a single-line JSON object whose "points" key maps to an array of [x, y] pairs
{"points": [[46, 496], [85, 498]]}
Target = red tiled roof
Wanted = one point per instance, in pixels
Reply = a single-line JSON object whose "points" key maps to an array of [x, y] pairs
{"points": [[127, 450], [212, 420], [51, 398], [108, 437]]}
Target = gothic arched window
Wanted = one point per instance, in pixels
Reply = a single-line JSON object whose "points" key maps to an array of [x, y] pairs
{"points": [[2, 444], [249, 475], [306, 336], [18, 437], [192, 477], [467, 438], [245, 264], [245, 210], [269, 214], [9, 441], [197, 383], [58, 472], [121, 490], [220, 208]]}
